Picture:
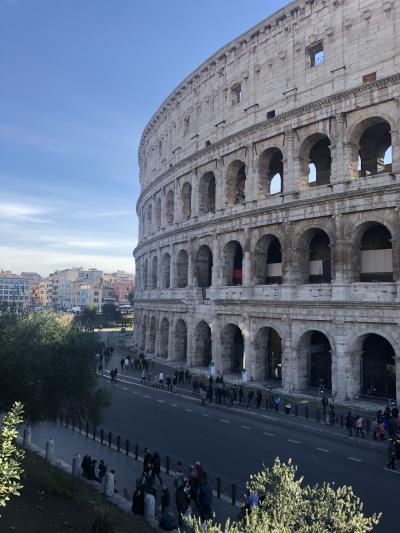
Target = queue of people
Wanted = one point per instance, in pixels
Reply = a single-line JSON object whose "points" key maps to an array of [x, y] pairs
{"points": [[193, 493]]}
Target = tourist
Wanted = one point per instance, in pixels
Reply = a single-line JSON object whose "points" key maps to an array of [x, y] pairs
{"points": [[288, 406], [161, 379], [359, 426], [102, 469]]}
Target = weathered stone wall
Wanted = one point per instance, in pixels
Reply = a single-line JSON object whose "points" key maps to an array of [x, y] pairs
{"points": [[320, 179]]}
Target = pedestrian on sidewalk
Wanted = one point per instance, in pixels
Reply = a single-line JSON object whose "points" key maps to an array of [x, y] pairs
{"points": [[122, 362], [161, 379], [250, 398], [288, 406], [85, 465], [325, 403], [126, 364], [258, 398], [381, 430], [240, 394], [147, 459], [203, 396], [349, 424], [169, 382], [174, 382], [156, 463], [359, 426], [375, 428], [392, 454], [277, 402], [332, 415], [102, 469]]}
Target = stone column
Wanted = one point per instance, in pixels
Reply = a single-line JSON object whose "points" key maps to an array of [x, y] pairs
{"points": [[248, 356], [216, 271], [397, 369], [163, 208], [219, 185], [348, 373], [251, 173], [195, 192], [350, 161], [247, 261], [290, 167], [215, 342], [177, 203], [158, 340], [171, 339], [338, 261], [338, 172], [172, 269], [396, 259], [190, 265], [189, 342], [159, 269]]}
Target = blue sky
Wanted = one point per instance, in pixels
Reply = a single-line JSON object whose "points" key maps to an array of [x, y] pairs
{"points": [[79, 80]]}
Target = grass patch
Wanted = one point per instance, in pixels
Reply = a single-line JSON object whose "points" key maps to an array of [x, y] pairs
{"points": [[54, 501]]}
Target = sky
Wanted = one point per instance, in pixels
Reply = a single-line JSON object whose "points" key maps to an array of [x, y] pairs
{"points": [[79, 80]]}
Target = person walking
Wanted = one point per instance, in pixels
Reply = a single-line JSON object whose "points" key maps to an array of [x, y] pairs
{"points": [[288, 406], [349, 424], [332, 415], [359, 426], [126, 364], [156, 462], [203, 396], [277, 402], [122, 363], [102, 469], [161, 379]]}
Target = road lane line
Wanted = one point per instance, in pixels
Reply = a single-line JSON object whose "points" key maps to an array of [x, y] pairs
{"points": [[294, 441], [206, 415], [245, 427], [173, 405], [323, 450], [224, 421], [391, 470], [355, 459], [269, 434], [125, 388], [160, 401], [134, 392], [189, 410], [146, 396]]}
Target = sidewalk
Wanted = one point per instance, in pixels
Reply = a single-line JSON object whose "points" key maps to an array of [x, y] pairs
{"points": [[127, 469]]}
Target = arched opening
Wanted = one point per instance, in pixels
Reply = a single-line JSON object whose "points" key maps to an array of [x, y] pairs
{"points": [[164, 338], [154, 272], [152, 336], [207, 193], [233, 267], [270, 172], [315, 361], [232, 349], [145, 274], [376, 254], [149, 218], [144, 333], [268, 347], [374, 139], [268, 261], [235, 192], [182, 265], [315, 155], [181, 341], [169, 207], [158, 213], [378, 369], [166, 271], [202, 345], [186, 198], [320, 258], [204, 265]]}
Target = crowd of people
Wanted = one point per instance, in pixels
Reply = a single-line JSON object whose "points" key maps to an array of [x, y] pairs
{"points": [[193, 493]]}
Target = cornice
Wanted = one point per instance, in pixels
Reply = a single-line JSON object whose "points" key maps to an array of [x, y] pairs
{"points": [[316, 105]]}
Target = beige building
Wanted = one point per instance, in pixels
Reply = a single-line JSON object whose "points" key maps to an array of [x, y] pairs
{"points": [[269, 206], [41, 293]]}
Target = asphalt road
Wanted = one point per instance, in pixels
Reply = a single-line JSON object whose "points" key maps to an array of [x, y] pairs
{"points": [[233, 444]]}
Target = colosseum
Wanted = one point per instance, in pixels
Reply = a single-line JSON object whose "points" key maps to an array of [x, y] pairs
{"points": [[269, 229]]}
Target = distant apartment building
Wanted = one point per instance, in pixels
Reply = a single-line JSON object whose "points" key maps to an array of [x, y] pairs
{"points": [[61, 297], [122, 283], [40, 295], [14, 288]]}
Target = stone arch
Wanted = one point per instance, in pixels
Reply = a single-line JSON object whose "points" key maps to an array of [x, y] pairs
{"points": [[371, 140], [372, 253], [152, 335], [270, 171], [170, 207], [154, 272], [186, 199], [374, 359], [181, 341], [314, 356], [207, 188], [232, 349], [166, 271], [146, 274], [158, 213], [268, 261], [144, 333], [204, 266], [316, 160], [235, 183], [314, 256], [202, 355], [164, 337], [268, 354], [233, 263], [182, 269], [143, 220]]}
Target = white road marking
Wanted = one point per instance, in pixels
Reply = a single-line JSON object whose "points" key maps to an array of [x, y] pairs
{"points": [[174, 405], [294, 441], [206, 415], [323, 450], [146, 396], [135, 392], [125, 388], [160, 401], [355, 459], [391, 470], [269, 434], [224, 421], [245, 427], [189, 410]]}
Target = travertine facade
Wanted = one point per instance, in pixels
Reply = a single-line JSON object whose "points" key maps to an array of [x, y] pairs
{"points": [[269, 210]]}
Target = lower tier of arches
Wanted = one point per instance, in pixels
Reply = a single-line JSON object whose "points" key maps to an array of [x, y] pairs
{"points": [[347, 359]]}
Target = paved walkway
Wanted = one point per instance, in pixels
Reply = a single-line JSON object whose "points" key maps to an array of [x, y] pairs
{"points": [[127, 469]]}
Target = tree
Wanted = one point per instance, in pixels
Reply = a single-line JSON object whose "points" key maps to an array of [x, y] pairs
{"points": [[10, 456], [88, 317], [48, 363], [111, 313], [287, 506]]}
